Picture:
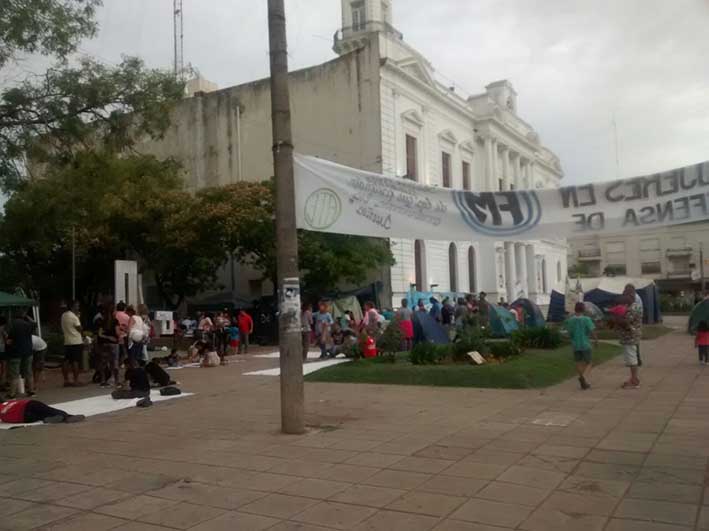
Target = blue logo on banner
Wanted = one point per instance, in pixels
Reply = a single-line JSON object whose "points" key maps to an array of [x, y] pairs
{"points": [[499, 213]]}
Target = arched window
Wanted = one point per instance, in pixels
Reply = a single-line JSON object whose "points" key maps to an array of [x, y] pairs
{"points": [[420, 264], [471, 270], [544, 275], [558, 271], [453, 266]]}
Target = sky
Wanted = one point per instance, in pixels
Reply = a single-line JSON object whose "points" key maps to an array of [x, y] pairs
{"points": [[579, 66]]}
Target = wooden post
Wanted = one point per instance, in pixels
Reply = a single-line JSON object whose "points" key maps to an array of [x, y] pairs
{"points": [[291, 359]]}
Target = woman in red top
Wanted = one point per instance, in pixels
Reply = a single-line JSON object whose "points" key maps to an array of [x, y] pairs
{"points": [[702, 342], [29, 411]]}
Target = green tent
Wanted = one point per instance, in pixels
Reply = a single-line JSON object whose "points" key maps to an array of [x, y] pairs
{"points": [[502, 321], [699, 313], [7, 300]]}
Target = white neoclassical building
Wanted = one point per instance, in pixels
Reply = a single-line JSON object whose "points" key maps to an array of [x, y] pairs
{"points": [[379, 106]]}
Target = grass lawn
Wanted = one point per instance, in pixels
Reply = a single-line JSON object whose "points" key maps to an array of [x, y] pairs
{"points": [[533, 369], [649, 332]]}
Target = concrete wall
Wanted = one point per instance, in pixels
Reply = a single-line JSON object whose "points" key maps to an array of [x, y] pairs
{"points": [[223, 137]]}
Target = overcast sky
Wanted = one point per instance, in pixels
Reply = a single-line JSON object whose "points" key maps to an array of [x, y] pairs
{"points": [[577, 65]]}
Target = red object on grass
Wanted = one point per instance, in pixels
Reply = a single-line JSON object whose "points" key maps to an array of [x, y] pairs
{"points": [[370, 348]]}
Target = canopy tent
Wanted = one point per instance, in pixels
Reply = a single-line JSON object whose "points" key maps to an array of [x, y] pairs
{"points": [[413, 297], [604, 291], [351, 303], [502, 321], [8, 300], [427, 329], [533, 316], [699, 313]]}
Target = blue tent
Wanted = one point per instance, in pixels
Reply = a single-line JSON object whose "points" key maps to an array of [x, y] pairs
{"points": [[502, 321], [533, 316], [427, 329]]}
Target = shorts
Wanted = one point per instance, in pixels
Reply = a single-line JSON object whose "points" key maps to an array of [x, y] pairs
{"points": [[73, 353], [630, 355], [582, 356], [234, 343], [38, 360]]}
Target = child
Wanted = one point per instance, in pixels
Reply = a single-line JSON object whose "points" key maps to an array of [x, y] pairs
{"points": [[702, 341], [581, 329], [210, 357], [233, 332]]}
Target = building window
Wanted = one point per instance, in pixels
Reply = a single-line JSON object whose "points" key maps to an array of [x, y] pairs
{"points": [[466, 176], [544, 276], [501, 184], [446, 169], [558, 271], [359, 20], [411, 158], [420, 264], [651, 268], [613, 270], [472, 280], [453, 266], [512, 187], [615, 255]]}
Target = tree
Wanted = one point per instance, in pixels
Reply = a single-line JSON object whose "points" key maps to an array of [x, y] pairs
{"points": [[47, 27], [242, 218], [119, 208]]}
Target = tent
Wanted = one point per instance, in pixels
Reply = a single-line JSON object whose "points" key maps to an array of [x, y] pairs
{"points": [[351, 303], [593, 311], [7, 300], [427, 329], [533, 316], [502, 321], [604, 291], [557, 307], [699, 313]]}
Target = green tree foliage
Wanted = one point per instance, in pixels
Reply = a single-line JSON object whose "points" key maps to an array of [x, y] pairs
{"points": [[48, 27], [243, 219], [131, 207]]}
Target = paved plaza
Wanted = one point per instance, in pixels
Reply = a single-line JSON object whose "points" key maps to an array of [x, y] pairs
{"points": [[377, 457]]}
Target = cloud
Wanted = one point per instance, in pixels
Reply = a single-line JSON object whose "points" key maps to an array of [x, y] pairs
{"points": [[577, 65]]}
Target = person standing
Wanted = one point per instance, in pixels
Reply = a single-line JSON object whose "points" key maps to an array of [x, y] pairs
{"points": [[581, 328], [3, 353], [306, 328], [630, 334], [39, 351], [108, 348], [19, 341], [483, 309], [406, 323], [323, 329], [701, 341], [73, 344], [436, 309], [136, 335], [246, 328], [122, 319]]}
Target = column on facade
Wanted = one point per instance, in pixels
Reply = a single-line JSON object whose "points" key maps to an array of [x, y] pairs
{"points": [[517, 180], [525, 174], [531, 175], [506, 168], [510, 271], [489, 142], [531, 259], [521, 261], [487, 269]]}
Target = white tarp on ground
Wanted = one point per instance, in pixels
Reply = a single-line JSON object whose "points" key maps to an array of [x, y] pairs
{"points": [[97, 405], [307, 368], [339, 199]]}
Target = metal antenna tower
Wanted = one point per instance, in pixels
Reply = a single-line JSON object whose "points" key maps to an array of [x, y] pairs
{"points": [[179, 37]]}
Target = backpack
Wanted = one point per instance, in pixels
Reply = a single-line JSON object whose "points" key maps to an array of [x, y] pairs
{"points": [[170, 391]]}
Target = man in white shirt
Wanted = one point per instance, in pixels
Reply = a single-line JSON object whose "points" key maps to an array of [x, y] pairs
{"points": [[73, 344]]}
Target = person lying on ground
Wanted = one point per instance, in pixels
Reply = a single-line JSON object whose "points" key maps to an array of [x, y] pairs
{"points": [[30, 411]]}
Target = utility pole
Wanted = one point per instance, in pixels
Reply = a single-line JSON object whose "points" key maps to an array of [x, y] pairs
{"points": [[290, 338], [73, 263]]}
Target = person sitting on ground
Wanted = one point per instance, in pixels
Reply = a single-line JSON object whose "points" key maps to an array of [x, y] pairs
{"points": [[210, 357], [137, 378], [173, 360], [31, 411], [581, 329]]}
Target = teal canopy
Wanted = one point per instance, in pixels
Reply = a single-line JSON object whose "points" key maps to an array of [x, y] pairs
{"points": [[502, 321], [7, 300]]}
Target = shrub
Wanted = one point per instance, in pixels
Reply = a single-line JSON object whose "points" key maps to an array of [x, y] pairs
{"points": [[504, 349], [389, 342], [429, 353], [543, 337], [470, 339]]}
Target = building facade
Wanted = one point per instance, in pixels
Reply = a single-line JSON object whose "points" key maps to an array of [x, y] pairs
{"points": [[380, 107], [672, 256]]}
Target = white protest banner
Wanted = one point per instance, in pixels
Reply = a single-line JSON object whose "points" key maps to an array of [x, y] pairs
{"points": [[335, 198]]}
